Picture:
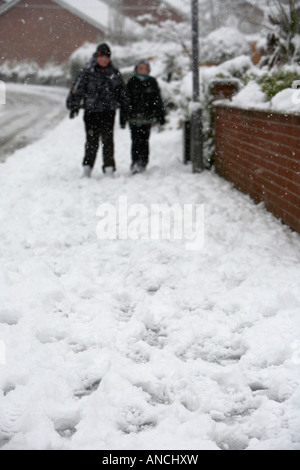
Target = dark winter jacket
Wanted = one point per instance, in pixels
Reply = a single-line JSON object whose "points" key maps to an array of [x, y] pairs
{"points": [[146, 105], [98, 90]]}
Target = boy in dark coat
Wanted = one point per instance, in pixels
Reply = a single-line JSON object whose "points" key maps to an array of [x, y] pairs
{"points": [[146, 107], [100, 90]]}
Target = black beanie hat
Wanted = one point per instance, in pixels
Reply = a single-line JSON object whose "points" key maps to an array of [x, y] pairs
{"points": [[103, 49]]}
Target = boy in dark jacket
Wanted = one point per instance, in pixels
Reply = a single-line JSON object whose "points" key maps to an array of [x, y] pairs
{"points": [[146, 107], [100, 90]]}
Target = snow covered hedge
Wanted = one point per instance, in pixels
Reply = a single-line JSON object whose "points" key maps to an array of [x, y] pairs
{"points": [[283, 40], [223, 44], [31, 73], [275, 81], [259, 89]]}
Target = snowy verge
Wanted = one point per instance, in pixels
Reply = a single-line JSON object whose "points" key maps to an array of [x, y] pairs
{"points": [[252, 97], [141, 344]]}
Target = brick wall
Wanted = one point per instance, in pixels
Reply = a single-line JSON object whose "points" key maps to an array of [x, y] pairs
{"points": [[42, 31], [260, 153]]}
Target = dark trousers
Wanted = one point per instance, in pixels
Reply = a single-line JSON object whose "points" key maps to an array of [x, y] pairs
{"points": [[99, 125], [140, 136]]}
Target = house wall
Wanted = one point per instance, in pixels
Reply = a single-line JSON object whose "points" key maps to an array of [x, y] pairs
{"points": [[260, 153], [42, 31]]}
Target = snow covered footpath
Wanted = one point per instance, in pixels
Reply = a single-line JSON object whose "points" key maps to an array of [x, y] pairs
{"points": [[142, 344]]}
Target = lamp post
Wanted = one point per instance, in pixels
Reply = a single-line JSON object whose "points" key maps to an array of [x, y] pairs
{"points": [[196, 111]]}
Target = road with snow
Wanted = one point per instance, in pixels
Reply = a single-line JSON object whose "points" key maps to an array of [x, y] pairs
{"points": [[27, 114]]}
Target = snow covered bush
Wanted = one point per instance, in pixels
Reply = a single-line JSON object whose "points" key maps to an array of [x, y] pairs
{"points": [[223, 44], [283, 43], [168, 31], [274, 82], [251, 96], [32, 73]]}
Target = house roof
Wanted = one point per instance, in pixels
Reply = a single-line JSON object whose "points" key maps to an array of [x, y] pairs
{"points": [[101, 13], [95, 12], [42, 31], [98, 13], [7, 4], [182, 7], [144, 11]]}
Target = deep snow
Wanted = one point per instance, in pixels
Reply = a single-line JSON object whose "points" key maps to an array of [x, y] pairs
{"points": [[142, 344]]}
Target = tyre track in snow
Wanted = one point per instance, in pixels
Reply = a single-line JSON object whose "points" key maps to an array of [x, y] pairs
{"points": [[28, 113]]}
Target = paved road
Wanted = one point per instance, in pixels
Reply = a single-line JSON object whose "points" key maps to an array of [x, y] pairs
{"points": [[28, 113]]}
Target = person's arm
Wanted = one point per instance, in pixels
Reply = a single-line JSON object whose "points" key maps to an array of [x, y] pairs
{"points": [[76, 94], [124, 99], [160, 113]]}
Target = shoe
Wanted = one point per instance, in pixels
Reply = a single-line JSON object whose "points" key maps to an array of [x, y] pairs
{"points": [[113, 168], [87, 171], [137, 168]]}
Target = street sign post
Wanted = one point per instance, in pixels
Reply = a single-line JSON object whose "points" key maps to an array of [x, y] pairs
{"points": [[196, 111]]}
